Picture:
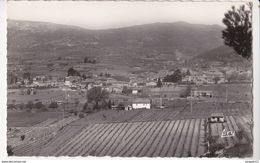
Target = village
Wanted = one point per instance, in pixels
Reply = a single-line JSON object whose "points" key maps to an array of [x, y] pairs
{"points": [[151, 91]]}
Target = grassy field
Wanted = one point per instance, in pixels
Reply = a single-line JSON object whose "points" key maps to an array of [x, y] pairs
{"points": [[28, 119], [44, 95], [235, 92]]}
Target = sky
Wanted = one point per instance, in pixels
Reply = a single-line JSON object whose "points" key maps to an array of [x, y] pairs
{"points": [[103, 15]]}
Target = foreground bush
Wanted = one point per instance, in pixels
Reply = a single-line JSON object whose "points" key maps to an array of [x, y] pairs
{"points": [[10, 150]]}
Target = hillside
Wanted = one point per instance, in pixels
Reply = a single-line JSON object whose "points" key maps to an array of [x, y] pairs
{"points": [[223, 55], [146, 47]]}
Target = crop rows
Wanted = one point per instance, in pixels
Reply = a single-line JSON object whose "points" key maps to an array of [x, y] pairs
{"points": [[181, 138], [233, 124], [38, 137]]}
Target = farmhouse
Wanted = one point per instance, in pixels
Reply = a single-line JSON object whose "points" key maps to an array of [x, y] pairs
{"points": [[151, 84], [141, 103], [201, 93]]}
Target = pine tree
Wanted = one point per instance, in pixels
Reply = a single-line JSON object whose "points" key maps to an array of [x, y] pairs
{"points": [[238, 33], [159, 83]]}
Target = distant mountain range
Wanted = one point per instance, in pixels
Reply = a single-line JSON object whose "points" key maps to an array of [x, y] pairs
{"points": [[145, 46]]}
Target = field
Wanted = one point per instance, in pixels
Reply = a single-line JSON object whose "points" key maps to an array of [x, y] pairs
{"points": [[44, 95], [37, 135], [235, 92], [153, 138], [139, 133], [177, 131], [28, 119]]}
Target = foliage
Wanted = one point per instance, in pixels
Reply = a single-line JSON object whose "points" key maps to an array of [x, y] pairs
{"points": [[27, 75], [238, 33], [29, 105], [39, 105], [22, 137], [174, 78], [9, 150], [188, 73], [159, 83], [121, 106], [126, 90], [11, 78], [73, 72], [97, 95], [53, 105], [84, 76], [76, 101], [11, 106], [89, 60], [239, 150], [109, 105], [81, 115], [21, 106], [216, 79], [187, 92]]}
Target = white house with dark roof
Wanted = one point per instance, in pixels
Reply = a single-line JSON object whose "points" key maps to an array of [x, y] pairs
{"points": [[141, 103]]}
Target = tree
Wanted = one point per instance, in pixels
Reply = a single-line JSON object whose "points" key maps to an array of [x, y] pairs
{"points": [[188, 73], [53, 105], [238, 33], [27, 75], [21, 106], [126, 90], [97, 95], [109, 105], [9, 150], [159, 83], [187, 92], [22, 137], [84, 77], [73, 72], [216, 79], [39, 105], [29, 105], [174, 78]]}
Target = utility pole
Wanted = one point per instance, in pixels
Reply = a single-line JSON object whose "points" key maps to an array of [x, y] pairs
{"points": [[226, 94], [191, 104]]}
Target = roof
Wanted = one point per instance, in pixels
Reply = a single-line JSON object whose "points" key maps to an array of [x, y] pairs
{"points": [[141, 100], [217, 115]]}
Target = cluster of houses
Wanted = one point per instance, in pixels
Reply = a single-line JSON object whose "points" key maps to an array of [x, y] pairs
{"points": [[132, 104], [205, 77]]}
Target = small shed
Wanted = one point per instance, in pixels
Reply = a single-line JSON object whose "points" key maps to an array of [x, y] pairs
{"points": [[216, 118]]}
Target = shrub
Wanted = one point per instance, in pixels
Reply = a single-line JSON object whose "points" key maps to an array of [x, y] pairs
{"points": [[39, 105], [29, 105], [53, 105], [11, 106], [22, 137], [81, 115], [21, 106], [10, 150]]}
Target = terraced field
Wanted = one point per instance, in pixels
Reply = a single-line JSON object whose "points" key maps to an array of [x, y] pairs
{"points": [[35, 137], [174, 132], [178, 138]]}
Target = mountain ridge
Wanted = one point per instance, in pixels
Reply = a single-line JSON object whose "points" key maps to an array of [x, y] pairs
{"points": [[149, 47]]}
